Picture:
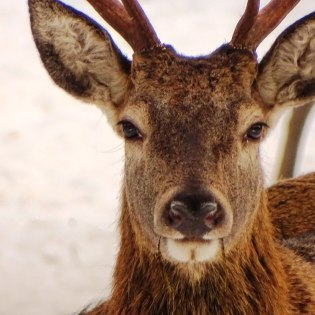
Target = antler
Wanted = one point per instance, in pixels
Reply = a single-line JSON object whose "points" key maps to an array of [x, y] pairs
{"points": [[129, 20], [254, 26]]}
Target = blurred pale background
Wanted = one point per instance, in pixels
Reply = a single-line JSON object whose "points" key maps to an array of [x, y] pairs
{"points": [[61, 165]]}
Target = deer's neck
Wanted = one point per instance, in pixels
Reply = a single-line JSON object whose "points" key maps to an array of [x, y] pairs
{"points": [[247, 281]]}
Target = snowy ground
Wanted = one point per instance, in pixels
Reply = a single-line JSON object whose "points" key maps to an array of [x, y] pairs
{"points": [[61, 165]]}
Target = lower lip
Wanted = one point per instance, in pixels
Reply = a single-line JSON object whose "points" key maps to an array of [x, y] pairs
{"points": [[194, 240]]}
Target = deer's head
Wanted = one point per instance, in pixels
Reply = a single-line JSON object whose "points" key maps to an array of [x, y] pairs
{"points": [[192, 126]]}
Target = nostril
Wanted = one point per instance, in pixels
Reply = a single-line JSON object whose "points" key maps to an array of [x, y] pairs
{"points": [[210, 210], [210, 220], [213, 217], [209, 207], [176, 215], [193, 215]]}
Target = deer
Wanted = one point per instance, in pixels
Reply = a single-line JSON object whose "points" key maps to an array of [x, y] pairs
{"points": [[199, 233]]}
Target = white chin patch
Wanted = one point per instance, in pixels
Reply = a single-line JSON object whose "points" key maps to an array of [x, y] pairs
{"points": [[190, 251]]}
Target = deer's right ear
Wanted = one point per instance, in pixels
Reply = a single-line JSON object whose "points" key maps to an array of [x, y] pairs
{"points": [[80, 56]]}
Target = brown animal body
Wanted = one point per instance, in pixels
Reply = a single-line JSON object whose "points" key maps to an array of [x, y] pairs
{"points": [[291, 204], [198, 234]]}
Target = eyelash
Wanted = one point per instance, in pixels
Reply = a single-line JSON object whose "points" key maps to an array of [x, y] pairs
{"points": [[130, 131], [258, 128]]}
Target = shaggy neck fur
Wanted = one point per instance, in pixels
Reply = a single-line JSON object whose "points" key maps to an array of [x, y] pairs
{"points": [[250, 280]]}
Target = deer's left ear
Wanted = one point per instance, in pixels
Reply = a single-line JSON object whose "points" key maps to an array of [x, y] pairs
{"points": [[287, 72]]}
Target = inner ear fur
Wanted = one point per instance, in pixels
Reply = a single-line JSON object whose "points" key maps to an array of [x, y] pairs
{"points": [[287, 72], [80, 55]]}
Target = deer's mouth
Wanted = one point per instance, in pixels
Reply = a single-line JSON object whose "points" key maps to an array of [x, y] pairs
{"points": [[192, 250]]}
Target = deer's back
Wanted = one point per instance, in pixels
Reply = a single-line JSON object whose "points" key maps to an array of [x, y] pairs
{"points": [[292, 208]]}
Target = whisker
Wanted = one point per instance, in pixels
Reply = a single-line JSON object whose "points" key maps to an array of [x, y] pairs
{"points": [[224, 264]]}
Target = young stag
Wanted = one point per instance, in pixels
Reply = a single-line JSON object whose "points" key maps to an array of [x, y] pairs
{"points": [[196, 231]]}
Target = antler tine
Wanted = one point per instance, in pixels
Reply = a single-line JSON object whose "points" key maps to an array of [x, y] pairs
{"points": [[129, 21], [144, 26], [246, 22], [256, 28], [113, 12], [268, 19]]}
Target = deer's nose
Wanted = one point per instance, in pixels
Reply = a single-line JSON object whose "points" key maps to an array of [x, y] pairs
{"points": [[194, 215]]}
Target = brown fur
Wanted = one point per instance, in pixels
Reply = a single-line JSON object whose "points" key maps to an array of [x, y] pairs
{"points": [[292, 206], [193, 117], [257, 278]]}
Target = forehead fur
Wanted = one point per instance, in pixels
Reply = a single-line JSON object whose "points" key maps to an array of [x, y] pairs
{"points": [[172, 79]]}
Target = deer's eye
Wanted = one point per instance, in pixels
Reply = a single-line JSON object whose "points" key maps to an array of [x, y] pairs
{"points": [[130, 131], [255, 132]]}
